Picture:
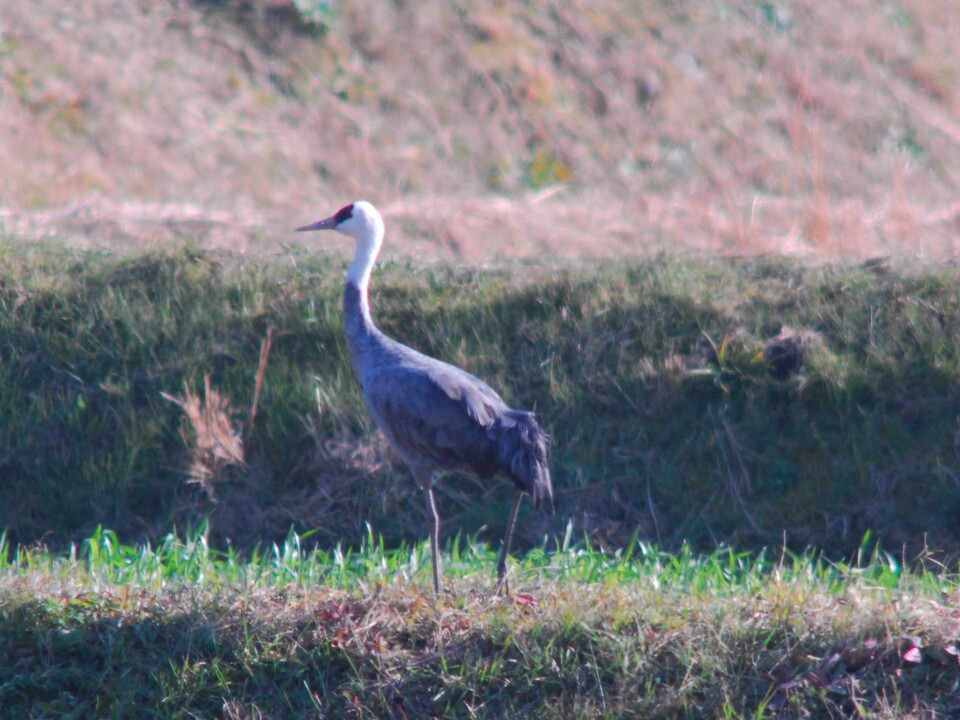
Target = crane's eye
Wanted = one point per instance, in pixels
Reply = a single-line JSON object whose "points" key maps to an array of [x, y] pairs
{"points": [[344, 214]]}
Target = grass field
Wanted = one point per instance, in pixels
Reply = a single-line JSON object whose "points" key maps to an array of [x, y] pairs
{"points": [[179, 630], [746, 402], [827, 129], [693, 403], [712, 244]]}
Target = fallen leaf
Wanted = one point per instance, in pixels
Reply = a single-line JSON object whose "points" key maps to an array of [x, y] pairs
{"points": [[524, 600]]}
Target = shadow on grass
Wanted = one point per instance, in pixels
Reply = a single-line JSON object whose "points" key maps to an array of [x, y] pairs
{"points": [[100, 655], [669, 422]]}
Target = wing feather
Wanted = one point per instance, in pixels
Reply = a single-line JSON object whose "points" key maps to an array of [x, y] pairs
{"points": [[434, 411]]}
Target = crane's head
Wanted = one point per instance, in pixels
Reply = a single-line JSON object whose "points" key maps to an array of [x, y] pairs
{"points": [[360, 220]]}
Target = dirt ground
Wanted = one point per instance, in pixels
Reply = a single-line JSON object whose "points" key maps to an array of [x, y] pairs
{"points": [[490, 131]]}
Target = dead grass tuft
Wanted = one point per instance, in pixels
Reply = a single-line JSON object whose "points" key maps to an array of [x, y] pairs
{"points": [[213, 439]]}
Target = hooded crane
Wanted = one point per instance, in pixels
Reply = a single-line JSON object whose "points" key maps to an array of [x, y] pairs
{"points": [[438, 417]]}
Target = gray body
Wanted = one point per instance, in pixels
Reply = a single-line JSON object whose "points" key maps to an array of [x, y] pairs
{"points": [[439, 417]]}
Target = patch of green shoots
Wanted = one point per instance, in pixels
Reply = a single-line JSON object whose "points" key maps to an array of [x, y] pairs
{"points": [[181, 629]]}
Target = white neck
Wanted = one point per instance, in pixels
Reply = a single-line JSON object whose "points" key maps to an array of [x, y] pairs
{"points": [[369, 238]]}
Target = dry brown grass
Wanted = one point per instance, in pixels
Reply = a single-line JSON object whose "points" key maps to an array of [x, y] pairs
{"points": [[213, 439], [828, 128]]}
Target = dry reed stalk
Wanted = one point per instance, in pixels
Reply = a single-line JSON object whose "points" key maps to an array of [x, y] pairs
{"points": [[258, 381]]}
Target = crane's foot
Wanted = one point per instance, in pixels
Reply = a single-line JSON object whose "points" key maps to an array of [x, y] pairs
{"points": [[503, 583]]}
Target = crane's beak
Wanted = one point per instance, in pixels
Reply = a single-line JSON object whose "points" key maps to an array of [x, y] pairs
{"points": [[326, 224]]}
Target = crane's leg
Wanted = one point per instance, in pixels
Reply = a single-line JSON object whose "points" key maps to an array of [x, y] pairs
{"points": [[503, 584], [434, 517]]}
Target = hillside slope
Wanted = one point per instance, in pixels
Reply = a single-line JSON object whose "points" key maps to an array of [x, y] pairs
{"points": [[736, 402], [487, 128]]}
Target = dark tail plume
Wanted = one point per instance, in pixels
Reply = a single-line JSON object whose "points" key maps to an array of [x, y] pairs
{"points": [[524, 451]]}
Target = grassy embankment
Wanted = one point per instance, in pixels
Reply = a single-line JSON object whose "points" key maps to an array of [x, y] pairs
{"points": [[689, 400], [675, 416]]}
